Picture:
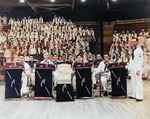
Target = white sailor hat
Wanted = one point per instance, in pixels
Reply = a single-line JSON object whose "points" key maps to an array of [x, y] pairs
{"points": [[142, 29], [98, 55]]}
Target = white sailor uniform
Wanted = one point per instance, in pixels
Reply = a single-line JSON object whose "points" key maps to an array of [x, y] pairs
{"points": [[136, 62], [104, 76], [25, 74]]}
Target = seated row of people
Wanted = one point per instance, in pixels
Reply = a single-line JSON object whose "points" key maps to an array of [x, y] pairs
{"points": [[102, 67], [125, 36]]}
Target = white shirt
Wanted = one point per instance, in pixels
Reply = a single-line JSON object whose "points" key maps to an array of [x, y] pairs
{"points": [[101, 67], [48, 62], [27, 70], [137, 62]]}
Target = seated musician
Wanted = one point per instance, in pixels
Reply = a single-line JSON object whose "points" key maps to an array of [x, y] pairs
{"points": [[87, 59], [26, 72], [47, 61], [94, 69], [93, 57], [32, 76], [55, 59], [70, 58], [51, 58], [79, 60], [105, 73]]}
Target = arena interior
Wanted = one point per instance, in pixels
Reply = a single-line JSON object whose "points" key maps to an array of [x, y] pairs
{"points": [[74, 59]]}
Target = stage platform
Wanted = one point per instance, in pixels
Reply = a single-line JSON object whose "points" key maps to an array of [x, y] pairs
{"points": [[93, 108]]}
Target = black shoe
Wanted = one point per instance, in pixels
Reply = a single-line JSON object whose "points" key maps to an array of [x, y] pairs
{"points": [[129, 77], [74, 93], [94, 86], [144, 78], [132, 97], [110, 93], [55, 87], [105, 93], [138, 100], [33, 87]]}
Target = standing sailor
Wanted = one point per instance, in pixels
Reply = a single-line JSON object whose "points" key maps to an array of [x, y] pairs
{"points": [[135, 68]]}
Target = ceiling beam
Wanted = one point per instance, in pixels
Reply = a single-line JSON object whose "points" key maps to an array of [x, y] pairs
{"points": [[51, 9], [30, 5], [51, 5], [107, 3], [73, 1]]}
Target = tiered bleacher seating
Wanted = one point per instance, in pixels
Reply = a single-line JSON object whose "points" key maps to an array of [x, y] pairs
{"points": [[6, 28]]}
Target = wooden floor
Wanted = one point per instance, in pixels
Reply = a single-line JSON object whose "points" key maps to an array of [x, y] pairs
{"points": [[96, 108]]}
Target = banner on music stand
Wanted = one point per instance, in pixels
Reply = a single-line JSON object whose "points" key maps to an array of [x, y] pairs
{"points": [[43, 83], [64, 92], [119, 84], [84, 82], [13, 83]]}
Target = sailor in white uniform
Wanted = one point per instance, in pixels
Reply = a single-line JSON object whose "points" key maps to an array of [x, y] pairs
{"points": [[25, 74], [105, 73], [94, 70], [135, 68]]}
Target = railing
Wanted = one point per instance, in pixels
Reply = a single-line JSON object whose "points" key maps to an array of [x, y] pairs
{"points": [[132, 21]]}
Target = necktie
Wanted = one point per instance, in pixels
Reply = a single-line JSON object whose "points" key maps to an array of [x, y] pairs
{"points": [[46, 62], [133, 53], [105, 66], [37, 51]]}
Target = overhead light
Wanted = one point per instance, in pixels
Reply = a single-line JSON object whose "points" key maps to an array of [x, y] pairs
{"points": [[22, 1], [83, 0], [52, 0], [114, 0]]}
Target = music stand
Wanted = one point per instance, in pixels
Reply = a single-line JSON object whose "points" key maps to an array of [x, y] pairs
{"points": [[43, 81], [64, 90], [83, 79], [13, 81]]}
